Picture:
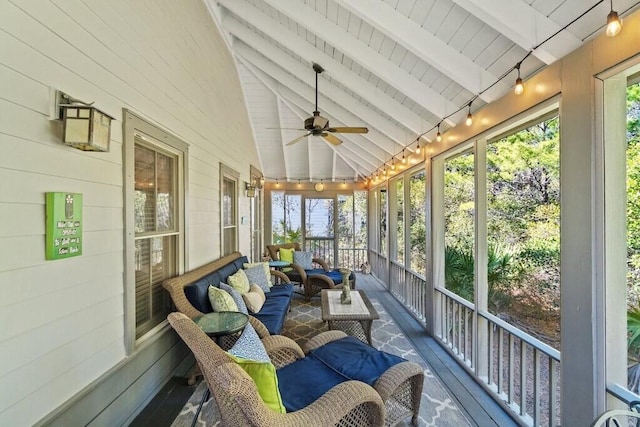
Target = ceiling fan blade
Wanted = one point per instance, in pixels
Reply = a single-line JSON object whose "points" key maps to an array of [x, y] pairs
{"points": [[331, 139], [349, 130], [300, 138], [287, 129]]}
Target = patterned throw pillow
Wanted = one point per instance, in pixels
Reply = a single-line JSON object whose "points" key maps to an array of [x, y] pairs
{"points": [[237, 297], [239, 281], [264, 265], [257, 276], [221, 300], [254, 299], [303, 259], [249, 353]]}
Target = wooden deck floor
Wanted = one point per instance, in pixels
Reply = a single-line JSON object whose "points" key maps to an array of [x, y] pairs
{"points": [[479, 407]]}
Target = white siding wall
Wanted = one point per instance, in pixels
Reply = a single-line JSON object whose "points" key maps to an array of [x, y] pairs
{"points": [[61, 322]]}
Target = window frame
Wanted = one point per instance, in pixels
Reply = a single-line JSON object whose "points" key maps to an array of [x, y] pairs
{"points": [[227, 173], [135, 127]]}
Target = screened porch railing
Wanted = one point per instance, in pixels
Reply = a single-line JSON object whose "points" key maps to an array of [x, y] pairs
{"points": [[323, 248], [521, 371]]}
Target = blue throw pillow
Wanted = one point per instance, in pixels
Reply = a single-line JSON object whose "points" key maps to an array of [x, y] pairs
{"points": [[237, 297], [249, 346], [257, 276], [303, 259]]}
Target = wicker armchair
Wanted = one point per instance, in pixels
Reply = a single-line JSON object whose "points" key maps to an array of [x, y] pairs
{"points": [[313, 281], [351, 403]]}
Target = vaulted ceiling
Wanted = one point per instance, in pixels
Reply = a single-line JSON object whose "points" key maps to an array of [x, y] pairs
{"points": [[398, 67]]}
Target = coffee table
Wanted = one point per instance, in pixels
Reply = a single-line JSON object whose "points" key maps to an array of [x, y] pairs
{"points": [[354, 319]]}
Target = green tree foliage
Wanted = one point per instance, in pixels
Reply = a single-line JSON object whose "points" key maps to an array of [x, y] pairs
{"points": [[523, 219]]}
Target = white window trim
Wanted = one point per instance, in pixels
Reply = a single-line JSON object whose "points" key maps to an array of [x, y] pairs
{"points": [[228, 173], [135, 126]]}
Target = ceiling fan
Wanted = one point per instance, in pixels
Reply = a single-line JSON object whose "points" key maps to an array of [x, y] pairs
{"points": [[317, 125]]}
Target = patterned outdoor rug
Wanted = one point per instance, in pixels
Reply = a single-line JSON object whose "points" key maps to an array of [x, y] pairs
{"points": [[437, 407]]}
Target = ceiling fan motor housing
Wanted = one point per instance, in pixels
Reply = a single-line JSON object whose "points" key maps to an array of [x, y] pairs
{"points": [[316, 122]]}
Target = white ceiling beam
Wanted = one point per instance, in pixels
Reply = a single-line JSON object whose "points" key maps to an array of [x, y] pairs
{"points": [[524, 25], [360, 52], [284, 152], [362, 155], [427, 47], [341, 111], [310, 53]]}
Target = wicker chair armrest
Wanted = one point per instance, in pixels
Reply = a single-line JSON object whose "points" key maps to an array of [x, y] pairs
{"points": [[356, 399], [259, 327], [282, 350], [322, 339], [322, 262], [280, 275], [393, 377], [300, 271]]}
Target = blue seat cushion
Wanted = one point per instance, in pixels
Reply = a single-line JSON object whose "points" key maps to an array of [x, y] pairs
{"points": [[335, 275], [273, 313], [304, 381], [284, 290], [355, 360]]}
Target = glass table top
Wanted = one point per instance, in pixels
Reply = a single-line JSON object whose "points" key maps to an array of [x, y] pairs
{"points": [[222, 322]]}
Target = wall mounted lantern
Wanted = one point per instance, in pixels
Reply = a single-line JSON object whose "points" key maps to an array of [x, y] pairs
{"points": [[84, 126], [251, 190]]}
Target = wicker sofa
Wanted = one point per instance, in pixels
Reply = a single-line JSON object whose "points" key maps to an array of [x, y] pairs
{"points": [[189, 292]]}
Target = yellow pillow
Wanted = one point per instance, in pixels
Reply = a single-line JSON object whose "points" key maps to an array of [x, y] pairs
{"points": [[286, 254], [239, 281], [254, 299], [264, 376]]}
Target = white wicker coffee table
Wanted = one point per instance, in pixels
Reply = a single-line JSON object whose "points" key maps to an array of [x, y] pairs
{"points": [[354, 319]]}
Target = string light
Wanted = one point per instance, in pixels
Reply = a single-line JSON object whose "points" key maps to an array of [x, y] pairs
{"points": [[519, 88], [393, 164], [404, 160], [614, 23], [614, 26], [469, 120]]}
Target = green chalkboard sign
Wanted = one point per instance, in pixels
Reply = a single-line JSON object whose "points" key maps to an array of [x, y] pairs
{"points": [[64, 225]]}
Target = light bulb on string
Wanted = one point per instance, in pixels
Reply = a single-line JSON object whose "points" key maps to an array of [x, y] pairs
{"points": [[469, 120], [418, 147], [404, 159], [519, 88], [614, 23], [439, 135], [393, 164]]}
